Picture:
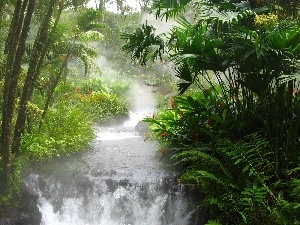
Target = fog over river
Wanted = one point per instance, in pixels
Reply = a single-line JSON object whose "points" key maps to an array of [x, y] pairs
{"points": [[120, 180]]}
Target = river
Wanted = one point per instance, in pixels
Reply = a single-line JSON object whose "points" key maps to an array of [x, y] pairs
{"points": [[120, 180]]}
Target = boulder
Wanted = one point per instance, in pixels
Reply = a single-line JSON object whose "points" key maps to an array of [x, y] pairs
{"points": [[27, 213], [141, 128], [28, 210]]}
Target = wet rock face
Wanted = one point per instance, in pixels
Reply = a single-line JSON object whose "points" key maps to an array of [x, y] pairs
{"points": [[142, 128], [27, 213]]}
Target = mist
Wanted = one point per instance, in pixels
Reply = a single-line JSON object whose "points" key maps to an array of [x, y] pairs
{"points": [[141, 97], [145, 82]]}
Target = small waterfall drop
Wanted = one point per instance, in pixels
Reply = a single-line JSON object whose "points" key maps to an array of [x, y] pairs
{"points": [[119, 181]]}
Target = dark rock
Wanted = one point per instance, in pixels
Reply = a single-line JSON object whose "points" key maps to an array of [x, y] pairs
{"points": [[141, 128], [27, 213]]}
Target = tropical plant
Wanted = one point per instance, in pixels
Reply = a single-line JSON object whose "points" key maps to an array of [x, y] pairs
{"points": [[246, 54], [226, 160], [70, 41], [229, 51], [21, 64], [67, 128], [241, 175]]}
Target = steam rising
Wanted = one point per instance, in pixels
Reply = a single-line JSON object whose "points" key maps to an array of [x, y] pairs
{"points": [[161, 26], [142, 101], [141, 97]]}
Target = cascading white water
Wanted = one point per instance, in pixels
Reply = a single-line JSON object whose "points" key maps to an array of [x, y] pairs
{"points": [[120, 181], [123, 206]]}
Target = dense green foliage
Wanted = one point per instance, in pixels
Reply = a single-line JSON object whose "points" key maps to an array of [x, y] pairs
{"points": [[48, 104], [67, 126], [101, 102], [226, 160], [233, 131]]}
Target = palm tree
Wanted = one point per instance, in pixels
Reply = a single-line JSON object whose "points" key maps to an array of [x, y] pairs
{"points": [[67, 45], [13, 57], [14, 50]]}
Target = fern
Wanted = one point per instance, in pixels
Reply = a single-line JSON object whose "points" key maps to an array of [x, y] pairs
{"points": [[213, 222], [199, 177], [251, 154], [197, 155], [233, 177]]}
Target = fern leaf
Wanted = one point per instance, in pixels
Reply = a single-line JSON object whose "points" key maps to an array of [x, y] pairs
{"points": [[213, 222], [197, 176], [198, 155]]}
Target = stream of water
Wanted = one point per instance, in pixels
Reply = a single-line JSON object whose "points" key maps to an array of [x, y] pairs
{"points": [[120, 180]]}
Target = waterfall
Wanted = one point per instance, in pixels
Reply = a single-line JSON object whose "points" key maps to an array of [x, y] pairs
{"points": [[119, 181]]}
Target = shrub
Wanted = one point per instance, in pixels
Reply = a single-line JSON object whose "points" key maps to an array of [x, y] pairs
{"points": [[66, 129], [103, 106]]}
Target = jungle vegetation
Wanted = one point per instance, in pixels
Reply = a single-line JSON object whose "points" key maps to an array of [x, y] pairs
{"points": [[51, 93], [233, 129]]}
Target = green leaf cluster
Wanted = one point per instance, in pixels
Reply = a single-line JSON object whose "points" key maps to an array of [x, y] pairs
{"points": [[227, 158], [66, 129], [237, 138]]}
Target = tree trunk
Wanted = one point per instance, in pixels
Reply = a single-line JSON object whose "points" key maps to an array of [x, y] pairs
{"points": [[1, 5], [58, 76], [10, 50], [51, 89], [38, 53], [295, 8], [15, 49], [120, 6], [101, 5]]}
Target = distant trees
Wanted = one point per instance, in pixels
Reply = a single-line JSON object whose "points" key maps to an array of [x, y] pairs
{"points": [[122, 6]]}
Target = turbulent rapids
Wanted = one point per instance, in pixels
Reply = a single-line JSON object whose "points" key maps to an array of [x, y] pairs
{"points": [[119, 181]]}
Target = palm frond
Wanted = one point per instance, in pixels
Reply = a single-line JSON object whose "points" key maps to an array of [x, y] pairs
{"points": [[183, 72], [144, 44], [91, 35], [224, 12], [169, 9], [286, 78]]}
